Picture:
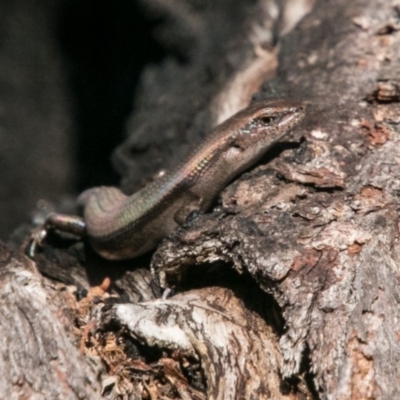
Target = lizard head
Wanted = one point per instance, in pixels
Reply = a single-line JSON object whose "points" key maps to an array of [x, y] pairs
{"points": [[262, 124], [272, 119]]}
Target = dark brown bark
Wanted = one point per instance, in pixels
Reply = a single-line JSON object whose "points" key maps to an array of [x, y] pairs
{"points": [[313, 229], [318, 227]]}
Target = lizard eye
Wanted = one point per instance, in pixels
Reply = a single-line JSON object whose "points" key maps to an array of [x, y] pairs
{"points": [[268, 119]]}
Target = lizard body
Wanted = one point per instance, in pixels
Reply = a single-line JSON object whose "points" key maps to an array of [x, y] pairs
{"points": [[120, 226]]}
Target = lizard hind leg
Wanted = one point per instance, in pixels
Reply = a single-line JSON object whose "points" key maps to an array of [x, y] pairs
{"points": [[189, 207]]}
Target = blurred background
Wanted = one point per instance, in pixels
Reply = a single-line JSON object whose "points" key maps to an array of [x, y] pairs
{"points": [[68, 71]]}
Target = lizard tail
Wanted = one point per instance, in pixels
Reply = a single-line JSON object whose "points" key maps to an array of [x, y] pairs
{"points": [[99, 205]]}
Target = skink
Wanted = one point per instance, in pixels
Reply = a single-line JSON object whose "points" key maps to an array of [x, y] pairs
{"points": [[120, 226]]}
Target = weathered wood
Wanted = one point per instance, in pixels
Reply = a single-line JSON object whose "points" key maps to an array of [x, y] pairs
{"points": [[38, 359], [237, 349], [316, 226]]}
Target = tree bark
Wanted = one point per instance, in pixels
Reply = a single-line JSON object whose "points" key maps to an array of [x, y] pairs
{"points": [[289, 288], [317, 228], [38, 357]]}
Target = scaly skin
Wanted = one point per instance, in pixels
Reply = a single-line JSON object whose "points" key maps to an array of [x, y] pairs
{"points": [[120, 226]]}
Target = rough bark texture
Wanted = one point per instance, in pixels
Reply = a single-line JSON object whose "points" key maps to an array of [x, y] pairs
{"points": [[318, 227], [214, 326], [313, 230], [38, 359]]}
